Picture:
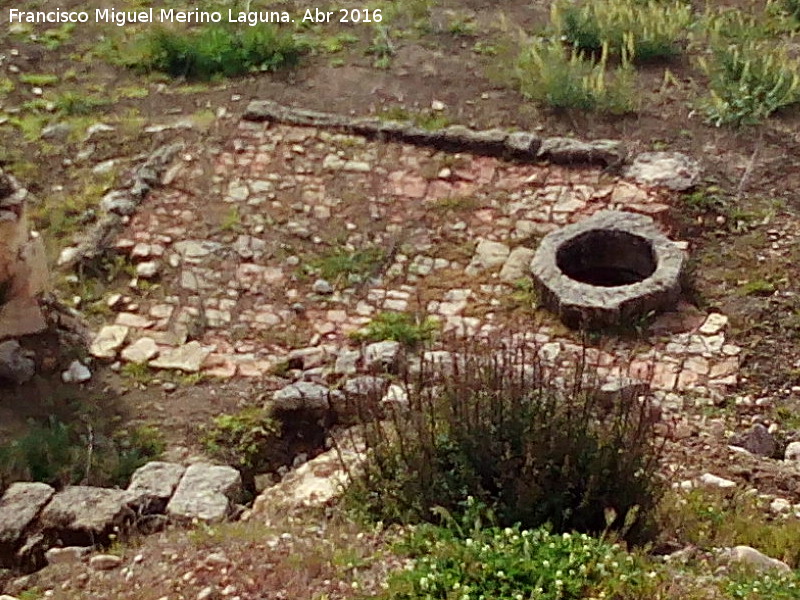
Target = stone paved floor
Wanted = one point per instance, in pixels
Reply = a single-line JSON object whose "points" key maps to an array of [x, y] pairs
{"points": [[229, 235]]}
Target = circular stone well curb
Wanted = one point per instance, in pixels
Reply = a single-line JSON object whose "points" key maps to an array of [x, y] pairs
{"points": [[581, 304]]}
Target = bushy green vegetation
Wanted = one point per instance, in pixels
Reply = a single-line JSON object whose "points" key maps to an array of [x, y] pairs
{"points": [[60, 454], [708, 519], [349, 267], [563, 78], [399, 327], [647, 31], [469, 560], [748, 81], [499, 427], [247, 440], [219, 51]]}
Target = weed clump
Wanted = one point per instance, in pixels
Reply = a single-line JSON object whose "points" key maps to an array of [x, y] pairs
{"points": [[648, 30], [246, 440], [563, 78], [496, 425], [220, 51], [399, 327], [748, 81], [60, 454]]}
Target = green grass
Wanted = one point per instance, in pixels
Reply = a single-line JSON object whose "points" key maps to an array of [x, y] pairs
{"points": [[350, 267], [400, 327], [38, 79], [468, 559], [337, 43], [647, 30], [6, 86], [219, 51], [59, 454], [561, 78], [138, 373], [709, 519], [72, 103], [748, 81]]}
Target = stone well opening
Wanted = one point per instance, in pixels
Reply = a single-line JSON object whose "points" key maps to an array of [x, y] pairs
{"points": [[607, 270], [607, 258]]}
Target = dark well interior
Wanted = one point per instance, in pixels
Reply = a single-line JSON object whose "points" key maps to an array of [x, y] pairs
{"points": [[606, 258]]}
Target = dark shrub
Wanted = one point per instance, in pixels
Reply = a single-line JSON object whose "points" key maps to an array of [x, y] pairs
{"points": [[216, 50], [532, 445]]}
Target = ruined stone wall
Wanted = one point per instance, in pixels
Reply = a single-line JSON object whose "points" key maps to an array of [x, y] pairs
{"points": [[23, 264]]}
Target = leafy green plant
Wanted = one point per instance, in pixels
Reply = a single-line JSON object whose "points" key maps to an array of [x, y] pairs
{"points": [[400, 327], [470, 559], [709, 519], [59, 454], [247, 440], [38, 79], [232, 221], [351, 267], [562, 78], [46, 453], [214, 50], [792, 7], [381, 47], [133, 448], [72, 103], [766, 586], [534, 446], [647, 31], [748, 81]]}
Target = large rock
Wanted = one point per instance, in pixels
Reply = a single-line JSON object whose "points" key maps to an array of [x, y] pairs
{"points": [[317, 483], [188, 357], [19, 507], [303, 395], [488, 255], [792, 451], [360, 399], [569, 150], [382, 355], [751, 557], [85, 516], [108, 340], [672, 170], [23, 265], [152, 486], [206, 493], [16, 365], [756, 440], [516, 266]]}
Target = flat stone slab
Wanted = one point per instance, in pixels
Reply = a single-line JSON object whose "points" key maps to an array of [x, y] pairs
{"points": [[153, 484], [188, 357], [672, 170], [303, 395], [19, 507], [108, 340], [206, 493], [84, 516]]}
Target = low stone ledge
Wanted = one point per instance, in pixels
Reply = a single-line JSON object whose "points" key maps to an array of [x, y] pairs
{"points": [[85, 516], [20, 505], [120, 203], [206, 493], [456, 138], [152, 486]]}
